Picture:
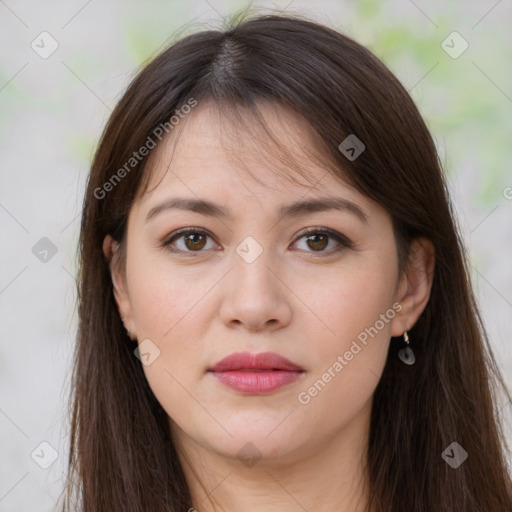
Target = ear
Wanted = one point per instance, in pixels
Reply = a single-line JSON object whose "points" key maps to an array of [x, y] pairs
{"points": [[415, 285], [110, 248]]}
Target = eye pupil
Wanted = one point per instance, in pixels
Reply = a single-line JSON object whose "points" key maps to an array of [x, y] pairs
{"points": [[193, 238], [323, 243]]}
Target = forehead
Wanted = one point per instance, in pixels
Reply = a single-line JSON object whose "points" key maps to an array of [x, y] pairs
{"points": [[224, 151]]}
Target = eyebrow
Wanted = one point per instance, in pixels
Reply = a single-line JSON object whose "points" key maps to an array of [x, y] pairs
{"points": [[295, 209]]}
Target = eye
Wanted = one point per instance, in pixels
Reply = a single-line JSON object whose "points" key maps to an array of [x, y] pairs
{"points": [[194, 240], [318, 239]]}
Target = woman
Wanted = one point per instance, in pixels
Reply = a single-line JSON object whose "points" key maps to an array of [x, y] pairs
{"points": [[275, 310]]}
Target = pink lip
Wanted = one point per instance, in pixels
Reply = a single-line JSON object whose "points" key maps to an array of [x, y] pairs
{"points": [[256, 374]]}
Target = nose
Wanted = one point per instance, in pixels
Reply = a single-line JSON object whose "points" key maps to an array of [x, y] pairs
{"points": [[255, 296]]}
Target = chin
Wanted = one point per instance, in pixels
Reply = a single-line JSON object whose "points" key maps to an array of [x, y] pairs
{"points": [[268, 445]]}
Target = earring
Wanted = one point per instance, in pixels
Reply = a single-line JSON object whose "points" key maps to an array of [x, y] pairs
{"points": [[406, 354]]}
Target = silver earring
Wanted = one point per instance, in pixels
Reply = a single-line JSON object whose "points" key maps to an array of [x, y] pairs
{"points": [[406, 354]]}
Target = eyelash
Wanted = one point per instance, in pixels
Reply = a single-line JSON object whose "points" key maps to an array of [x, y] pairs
{"points": [[344, 242]]}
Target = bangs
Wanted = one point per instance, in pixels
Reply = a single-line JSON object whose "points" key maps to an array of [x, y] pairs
{"points": [[247, 136]]}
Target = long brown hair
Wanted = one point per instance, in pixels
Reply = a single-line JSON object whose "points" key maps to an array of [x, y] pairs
{"points": [[122, 457]]}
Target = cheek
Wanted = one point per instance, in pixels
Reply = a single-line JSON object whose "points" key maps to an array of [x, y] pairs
{"points": [[164, 313], [351, 301], [353, 332], [168, 307], [164, 298]]}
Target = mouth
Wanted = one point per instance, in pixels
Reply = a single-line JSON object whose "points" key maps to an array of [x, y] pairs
{"points": [[256, 374]]}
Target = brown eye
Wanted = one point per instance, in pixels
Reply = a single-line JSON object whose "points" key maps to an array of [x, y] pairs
{"points": [[318, 239], [188, 240], [195, 241]]}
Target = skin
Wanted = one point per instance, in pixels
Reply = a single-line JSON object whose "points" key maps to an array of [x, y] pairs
{"points": [[293, 299]]}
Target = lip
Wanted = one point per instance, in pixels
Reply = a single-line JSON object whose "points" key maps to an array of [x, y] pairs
{"points": [[256, 374]]}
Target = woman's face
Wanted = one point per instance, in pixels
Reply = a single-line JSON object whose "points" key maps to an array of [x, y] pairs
{"points": [[251, 281]]}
